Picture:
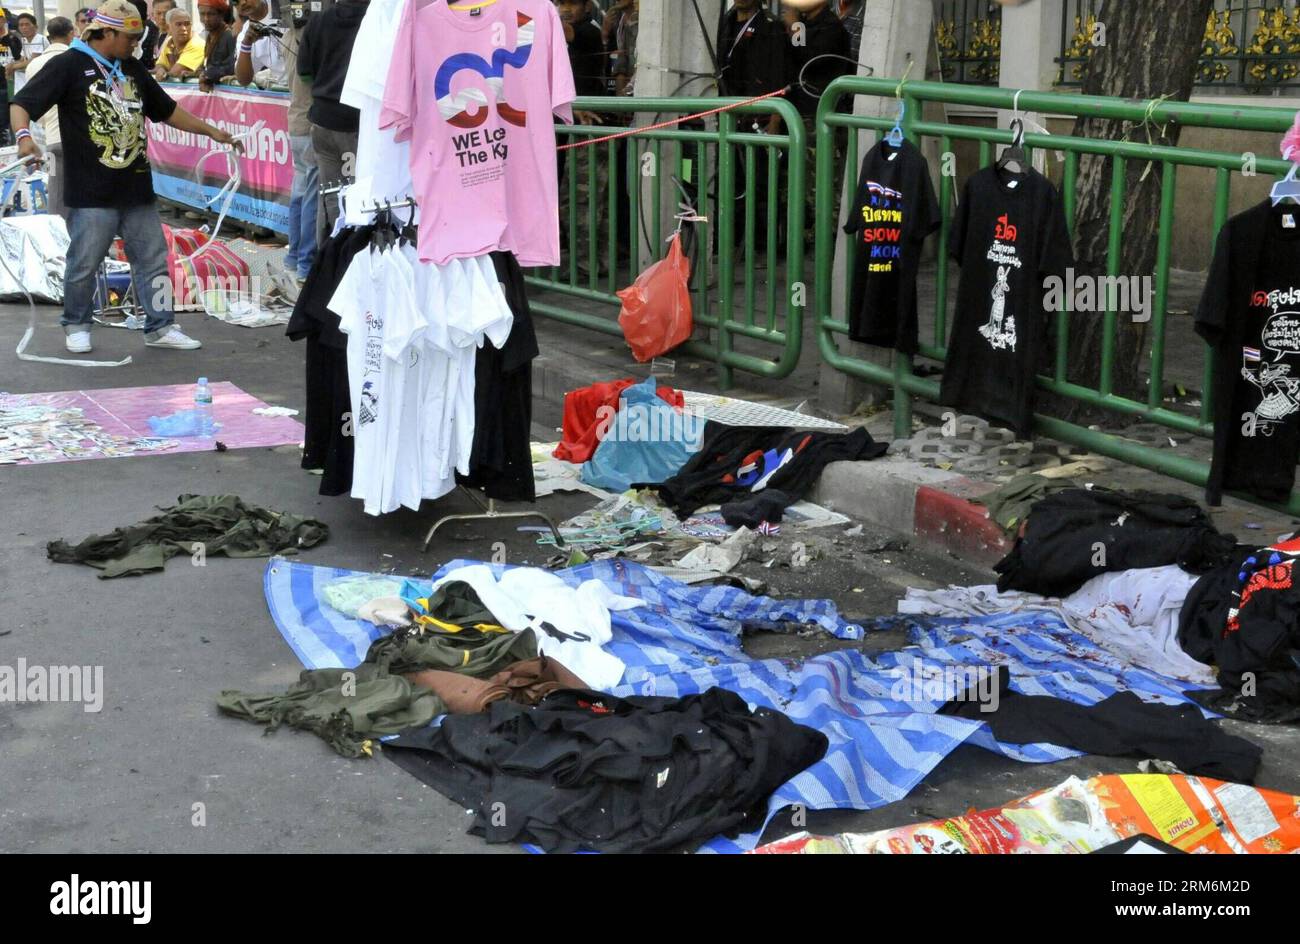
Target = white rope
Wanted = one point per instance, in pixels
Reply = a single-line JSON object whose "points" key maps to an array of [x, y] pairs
{"points": [[234, 177], [226, 194], [20, 350]]}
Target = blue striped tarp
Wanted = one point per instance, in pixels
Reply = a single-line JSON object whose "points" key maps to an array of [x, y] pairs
{"points": [[687, 639]]}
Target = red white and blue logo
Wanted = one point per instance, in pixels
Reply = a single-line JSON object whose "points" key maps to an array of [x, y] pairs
{"points": [[468, 108]]}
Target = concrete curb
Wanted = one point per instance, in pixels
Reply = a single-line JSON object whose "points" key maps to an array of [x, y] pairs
{"points": [[931, 505]]}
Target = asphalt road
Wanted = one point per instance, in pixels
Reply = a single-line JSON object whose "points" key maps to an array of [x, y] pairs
{"points": [[127, 779]]}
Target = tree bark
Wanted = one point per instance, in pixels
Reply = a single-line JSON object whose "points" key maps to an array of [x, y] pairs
{"points": [[1151, 49]]}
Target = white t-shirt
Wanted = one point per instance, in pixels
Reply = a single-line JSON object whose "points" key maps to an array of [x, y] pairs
{"points": [[572, 624], [50, 120], [32, 49], [413, 330], [376, 313], [405, 348], [267, 53], [383, 167]]}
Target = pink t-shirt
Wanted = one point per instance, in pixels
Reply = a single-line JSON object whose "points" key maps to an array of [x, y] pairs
{"points": [[475, 95]]}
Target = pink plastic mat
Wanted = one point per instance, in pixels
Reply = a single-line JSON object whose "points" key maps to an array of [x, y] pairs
{"points": [[45, 427]]}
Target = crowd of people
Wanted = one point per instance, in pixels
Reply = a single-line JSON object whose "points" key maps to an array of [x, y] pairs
{"points": [[758, 50], [800, 45], [84, 119]]}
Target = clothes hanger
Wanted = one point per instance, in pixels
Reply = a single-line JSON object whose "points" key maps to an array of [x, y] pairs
{"points": [[382, 238], [409, 235], [1014, 158], [1288, 188], [894, 138]]}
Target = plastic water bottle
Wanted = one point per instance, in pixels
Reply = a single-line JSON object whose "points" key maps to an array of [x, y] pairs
{"points": [[203, 407]]}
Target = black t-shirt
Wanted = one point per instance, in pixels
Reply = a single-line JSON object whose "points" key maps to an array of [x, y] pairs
{"points": [[587, 59], [501, 461], [103, 131], [323, 57], [895, 210], [753, 53], [1258, 442], [1008, 237], [11, 50], [824, 35]]}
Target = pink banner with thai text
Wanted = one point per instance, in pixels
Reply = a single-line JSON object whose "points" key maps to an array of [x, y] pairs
{"points": [[266, 169]]}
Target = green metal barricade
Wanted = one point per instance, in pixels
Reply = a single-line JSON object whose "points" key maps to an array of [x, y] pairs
{"points": [[748, 185], [900, 376]]}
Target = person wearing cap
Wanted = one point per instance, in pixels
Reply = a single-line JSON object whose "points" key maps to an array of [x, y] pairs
{"points": [[147, 50], [104, 96], [218, 45], [181, 55]]}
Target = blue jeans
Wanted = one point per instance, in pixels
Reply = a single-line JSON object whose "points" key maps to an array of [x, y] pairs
{"points": [[91, 231], [302, 207]]}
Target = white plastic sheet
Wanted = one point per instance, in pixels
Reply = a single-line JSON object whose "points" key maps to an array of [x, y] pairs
{"points": [[35, 252]]}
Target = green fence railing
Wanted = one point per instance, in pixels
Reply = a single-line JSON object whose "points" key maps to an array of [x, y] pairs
{"points": [[1225, 164], [618, 206]]}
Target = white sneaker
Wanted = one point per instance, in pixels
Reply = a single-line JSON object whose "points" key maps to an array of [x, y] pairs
{"points": [[176, 339], [78, 342]]}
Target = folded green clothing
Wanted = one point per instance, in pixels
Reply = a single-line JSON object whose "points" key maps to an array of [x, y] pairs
{"points": [[348, 708], [469, 652], [197, 524]]}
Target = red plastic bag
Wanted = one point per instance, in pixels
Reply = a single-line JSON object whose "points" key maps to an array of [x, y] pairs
{"points": [[656, 313]]}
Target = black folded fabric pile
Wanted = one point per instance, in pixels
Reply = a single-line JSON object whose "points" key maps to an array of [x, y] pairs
{"points": [[1076, 534], [584, 770]]}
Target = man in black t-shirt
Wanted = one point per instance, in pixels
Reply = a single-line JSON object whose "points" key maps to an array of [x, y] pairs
{"points": [[323, 57], [104, 96], [586, 51], [819, 54]]}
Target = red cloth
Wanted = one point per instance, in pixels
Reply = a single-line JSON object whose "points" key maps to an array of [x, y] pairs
{"points": [[216, 267], [582, 419]]}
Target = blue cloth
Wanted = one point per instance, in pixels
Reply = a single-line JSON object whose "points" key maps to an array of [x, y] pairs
{"points": [[687, 639], [112, 66], [648, 441]]}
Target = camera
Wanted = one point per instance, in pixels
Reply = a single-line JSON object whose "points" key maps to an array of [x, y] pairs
{"points": [[260, 29]]}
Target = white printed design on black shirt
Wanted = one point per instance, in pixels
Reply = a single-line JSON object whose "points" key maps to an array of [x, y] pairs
{"points": [[1000, 330], [1266, 368]]}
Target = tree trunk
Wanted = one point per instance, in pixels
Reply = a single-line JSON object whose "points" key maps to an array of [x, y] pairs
{"points": [[1151, 49]]}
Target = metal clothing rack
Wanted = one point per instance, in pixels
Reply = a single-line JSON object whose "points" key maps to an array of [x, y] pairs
{"points": [[489, 510]]}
